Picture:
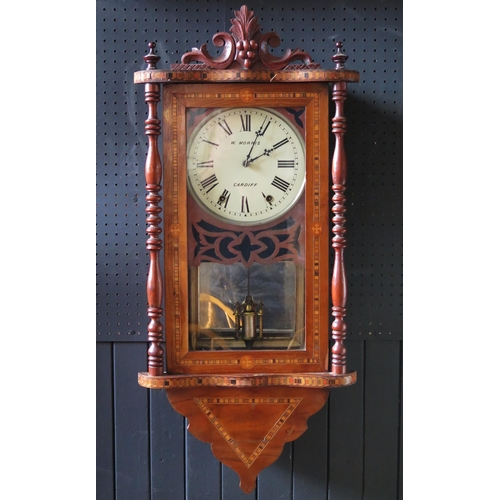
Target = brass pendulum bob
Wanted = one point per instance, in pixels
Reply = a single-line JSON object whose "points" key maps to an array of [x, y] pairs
{"points": [[249, 325], [248, 319]]}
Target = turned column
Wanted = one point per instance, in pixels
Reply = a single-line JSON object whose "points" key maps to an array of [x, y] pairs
{"points": [[339, 174], [153, 174]]}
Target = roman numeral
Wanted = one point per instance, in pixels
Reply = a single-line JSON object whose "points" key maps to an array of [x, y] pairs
{"points": [[244, 205], [279, 183], [246, 123], [281, 143], [286, 163], [202, 164], [225, 127], [210, 181]]}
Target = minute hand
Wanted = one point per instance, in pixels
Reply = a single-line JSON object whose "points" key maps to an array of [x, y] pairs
{"points": [[268, 151], [259, 133]]}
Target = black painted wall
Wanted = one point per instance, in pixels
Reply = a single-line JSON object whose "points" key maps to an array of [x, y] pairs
{"points": [[353, 447]]}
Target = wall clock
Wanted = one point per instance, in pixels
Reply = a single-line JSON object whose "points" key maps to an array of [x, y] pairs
{"points": [[240, 292]]}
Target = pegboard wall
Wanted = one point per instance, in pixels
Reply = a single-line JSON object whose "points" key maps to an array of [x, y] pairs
{"points": [[372, 36]]}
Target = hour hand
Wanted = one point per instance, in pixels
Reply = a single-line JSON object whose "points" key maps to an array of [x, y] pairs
{"points": [[267, 152]]}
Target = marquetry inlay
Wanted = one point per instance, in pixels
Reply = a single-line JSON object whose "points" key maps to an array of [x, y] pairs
{"points": [[197, 76], [246, 95], [175, 230], [207, 405], [179, 100], [247, 362], [307, 380]]}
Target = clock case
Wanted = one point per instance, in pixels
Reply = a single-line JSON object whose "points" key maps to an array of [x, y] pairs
{"points": [[309, 232], [246, 403]]}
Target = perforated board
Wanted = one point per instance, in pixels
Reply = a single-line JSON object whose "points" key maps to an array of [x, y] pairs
{"points": [[372, 36]]}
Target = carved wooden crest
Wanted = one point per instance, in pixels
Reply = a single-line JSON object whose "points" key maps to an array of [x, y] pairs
{"points": [[244, 46]]}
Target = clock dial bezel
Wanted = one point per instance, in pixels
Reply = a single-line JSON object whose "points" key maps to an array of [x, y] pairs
{"points": [[314, 98], [228, 183]]}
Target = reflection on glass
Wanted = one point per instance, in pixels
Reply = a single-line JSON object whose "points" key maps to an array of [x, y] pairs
{"points": [[239, 307]]}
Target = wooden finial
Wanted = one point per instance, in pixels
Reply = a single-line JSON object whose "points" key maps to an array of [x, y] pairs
{"points": [[339, 58], [151, 58]]}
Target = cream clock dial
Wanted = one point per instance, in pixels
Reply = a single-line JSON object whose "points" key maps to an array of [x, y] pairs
{"points": [[246, 165]]}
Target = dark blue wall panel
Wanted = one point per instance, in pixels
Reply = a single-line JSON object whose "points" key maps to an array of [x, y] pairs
{"points": [[132, 464], [275, 482], [167, 436], [382, 390], [105, 463], [346, 432], [310, 459]]}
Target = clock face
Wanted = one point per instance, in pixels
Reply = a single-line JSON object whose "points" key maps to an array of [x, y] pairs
{"points": [[246, 166]]}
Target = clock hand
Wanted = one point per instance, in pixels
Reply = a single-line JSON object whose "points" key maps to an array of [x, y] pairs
{"points": [[267, 152], [258, 134]]}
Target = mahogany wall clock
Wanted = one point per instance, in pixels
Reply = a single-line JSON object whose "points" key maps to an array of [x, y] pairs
{"points": [[239, 287]]}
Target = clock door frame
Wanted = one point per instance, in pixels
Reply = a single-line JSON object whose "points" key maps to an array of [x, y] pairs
{"points": [[314, 98]]}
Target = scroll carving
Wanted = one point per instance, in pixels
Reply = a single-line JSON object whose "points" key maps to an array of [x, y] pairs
{"points": [[280, 242], [244, 46], [153, 174]]}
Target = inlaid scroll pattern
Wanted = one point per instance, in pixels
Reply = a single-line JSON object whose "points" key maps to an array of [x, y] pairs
{"points": [[153, 174]]}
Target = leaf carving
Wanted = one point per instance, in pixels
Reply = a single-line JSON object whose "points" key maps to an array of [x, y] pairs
{"points": [[245, 26]]}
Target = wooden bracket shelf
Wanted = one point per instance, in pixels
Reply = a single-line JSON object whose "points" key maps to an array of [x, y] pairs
{"points": [[247, 418], [306, 380]]}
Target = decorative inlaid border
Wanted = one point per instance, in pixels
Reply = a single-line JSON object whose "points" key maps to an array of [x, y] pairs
{"points": [[174, 144], [193, 76], [247, 460], [306, 380], [182, 97]]}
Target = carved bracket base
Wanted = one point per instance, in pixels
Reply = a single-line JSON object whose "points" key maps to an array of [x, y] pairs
{"points": [[247, 427]]}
